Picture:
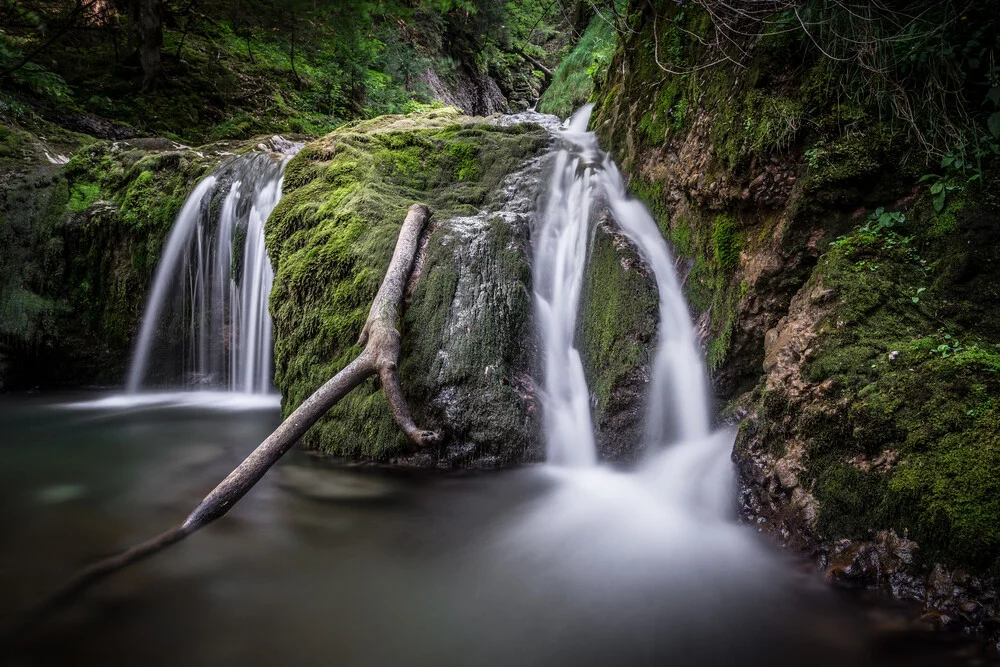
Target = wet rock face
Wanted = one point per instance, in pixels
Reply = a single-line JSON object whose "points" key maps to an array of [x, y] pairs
{"points": [[474, 93], [479, 386], [617, 336]]}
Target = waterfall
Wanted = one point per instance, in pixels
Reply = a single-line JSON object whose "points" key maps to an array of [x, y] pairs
{"points": [[207, 308], [583, 180], [560, 262]]}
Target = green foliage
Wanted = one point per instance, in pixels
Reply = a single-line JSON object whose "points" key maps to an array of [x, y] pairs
{"points": [[727, 242], [31, 76], [575, 78], [235, 70]]}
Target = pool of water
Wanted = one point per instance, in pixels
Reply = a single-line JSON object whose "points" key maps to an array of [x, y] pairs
{"points": [[327, 564]]}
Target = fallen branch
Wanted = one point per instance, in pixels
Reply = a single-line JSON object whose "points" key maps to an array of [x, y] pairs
{"points": [[536, 63], [380, 356]]}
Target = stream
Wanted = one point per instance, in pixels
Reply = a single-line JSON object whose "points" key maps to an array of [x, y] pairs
{"points": [[326, 564]]}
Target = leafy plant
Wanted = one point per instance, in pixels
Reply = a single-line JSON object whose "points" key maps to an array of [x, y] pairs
{"points": [[948, 348], [881, 219]]}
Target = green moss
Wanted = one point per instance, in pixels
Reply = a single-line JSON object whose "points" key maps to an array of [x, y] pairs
{"points": [[727, 242], [854, 155], [82, 196], [618, 318], [331, 239], [466, 157], [668, 113], [573, 81], [756, 124], [925, 393]]}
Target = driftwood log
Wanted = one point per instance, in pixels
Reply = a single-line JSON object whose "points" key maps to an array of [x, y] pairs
{"points": [[381, 340]]}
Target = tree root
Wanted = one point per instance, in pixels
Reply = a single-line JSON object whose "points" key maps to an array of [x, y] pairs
{"points": [[380, 356]]}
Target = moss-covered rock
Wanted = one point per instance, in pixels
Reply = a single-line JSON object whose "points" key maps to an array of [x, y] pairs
{"points": [[80, 240], [467, 343], [618, 318], [877, 416]]}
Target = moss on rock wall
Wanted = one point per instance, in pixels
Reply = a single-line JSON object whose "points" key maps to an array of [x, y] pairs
{"points": [[466, 332], [81, 237], [847, 305]]}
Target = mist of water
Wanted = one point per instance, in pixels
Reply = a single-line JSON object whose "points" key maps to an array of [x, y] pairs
{"points": [[213, 282]]}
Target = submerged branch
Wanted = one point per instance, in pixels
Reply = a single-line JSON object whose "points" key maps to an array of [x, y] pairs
{"points": [[380, 356]]}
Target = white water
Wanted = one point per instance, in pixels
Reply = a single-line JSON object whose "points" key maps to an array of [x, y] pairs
{"points": [[211, 286], [560, 249], [672, 520], [585, 181]]}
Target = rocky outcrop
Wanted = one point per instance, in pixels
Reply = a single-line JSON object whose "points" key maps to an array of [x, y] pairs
{"points": [[468, 345], [846, 316], [474, 93]]}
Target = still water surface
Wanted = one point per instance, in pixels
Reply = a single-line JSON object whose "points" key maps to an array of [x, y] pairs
{"points": [[327, 565]]}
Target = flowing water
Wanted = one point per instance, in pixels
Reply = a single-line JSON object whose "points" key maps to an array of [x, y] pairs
{"points": [[585, 181], [326, 565], [212, 283], [570, 563]]}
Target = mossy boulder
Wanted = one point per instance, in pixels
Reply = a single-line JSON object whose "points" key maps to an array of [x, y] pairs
{"points": [[897, 407], [467, 340], [616, 337]]}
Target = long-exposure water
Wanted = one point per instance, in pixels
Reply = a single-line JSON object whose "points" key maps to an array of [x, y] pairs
{"points": [[570, 563]]}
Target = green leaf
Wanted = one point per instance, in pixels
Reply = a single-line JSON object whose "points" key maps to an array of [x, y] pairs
{"points": [[947, 160], [994, 95], [937, 188], [994, 124], [939, 202]]}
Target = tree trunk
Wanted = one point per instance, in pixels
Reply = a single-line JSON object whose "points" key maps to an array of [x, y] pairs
{"points": [[380, 356], [150, 43]]}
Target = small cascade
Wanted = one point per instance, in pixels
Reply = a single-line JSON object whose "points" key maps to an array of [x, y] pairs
{"points": [[560, 262], [585, 179], [206, 321]]}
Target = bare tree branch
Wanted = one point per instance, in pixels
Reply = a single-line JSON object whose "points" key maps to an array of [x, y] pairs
{"points": [[380, 356]]}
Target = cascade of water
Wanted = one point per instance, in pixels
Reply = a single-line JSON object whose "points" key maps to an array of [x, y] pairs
{"points": [[215, 276], [560, 259], [679, 405]]}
